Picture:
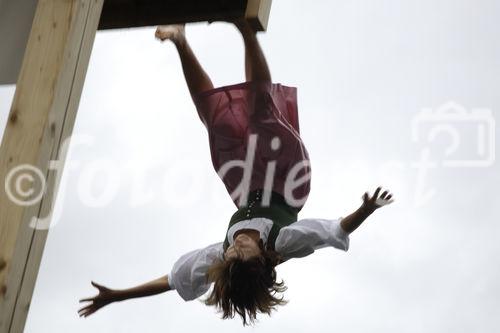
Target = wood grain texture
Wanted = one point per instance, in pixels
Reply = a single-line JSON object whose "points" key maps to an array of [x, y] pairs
{"points": [[41, 119]]}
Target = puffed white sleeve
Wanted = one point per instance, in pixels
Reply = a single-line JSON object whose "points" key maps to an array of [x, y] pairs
{"points": [[303, 237], [188, 272]]}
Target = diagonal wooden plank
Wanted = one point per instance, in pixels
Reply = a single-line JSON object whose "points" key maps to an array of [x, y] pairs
{"points": [[41, 119]]}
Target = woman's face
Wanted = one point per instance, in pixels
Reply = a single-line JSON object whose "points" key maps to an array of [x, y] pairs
{"points": [[244, 247]]}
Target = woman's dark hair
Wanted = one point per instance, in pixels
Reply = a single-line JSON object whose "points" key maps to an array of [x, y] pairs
{"points": [[245, 287]]}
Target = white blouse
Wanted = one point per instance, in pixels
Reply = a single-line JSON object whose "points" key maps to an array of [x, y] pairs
{"points": [[297, 240]]}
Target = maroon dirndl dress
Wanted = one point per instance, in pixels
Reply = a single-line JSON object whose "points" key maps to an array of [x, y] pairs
{"points": [[267, 112]]}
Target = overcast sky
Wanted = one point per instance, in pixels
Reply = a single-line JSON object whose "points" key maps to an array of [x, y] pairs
{"points": [[364, 70]]}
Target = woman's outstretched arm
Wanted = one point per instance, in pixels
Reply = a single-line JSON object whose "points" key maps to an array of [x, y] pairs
{"points": [[107, 296], [304, 237], [354, 220], [188, 277]]}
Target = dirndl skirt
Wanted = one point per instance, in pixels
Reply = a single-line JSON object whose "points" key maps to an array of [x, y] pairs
{"points": [[253, 130]]}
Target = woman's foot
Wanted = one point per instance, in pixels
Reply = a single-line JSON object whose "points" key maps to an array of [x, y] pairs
{"points": [[173, 32]]}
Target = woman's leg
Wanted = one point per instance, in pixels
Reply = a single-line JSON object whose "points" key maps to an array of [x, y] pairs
{"points": [[196, 78], [256, 68]]}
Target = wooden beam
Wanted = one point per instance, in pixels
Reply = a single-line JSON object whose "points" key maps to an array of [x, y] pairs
{"points": [[257, 13], [138, 13], [41, 119]]}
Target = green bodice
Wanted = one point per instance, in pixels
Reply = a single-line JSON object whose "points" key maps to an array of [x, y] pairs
{"points": [[278, 211]]}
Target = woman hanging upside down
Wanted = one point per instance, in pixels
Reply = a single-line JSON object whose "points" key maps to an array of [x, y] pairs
{"points": [[257, 151]]}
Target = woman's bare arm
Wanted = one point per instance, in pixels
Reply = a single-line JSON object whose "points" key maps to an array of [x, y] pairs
{"points": [[107, 296], [354, 220], [150, 288]]}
